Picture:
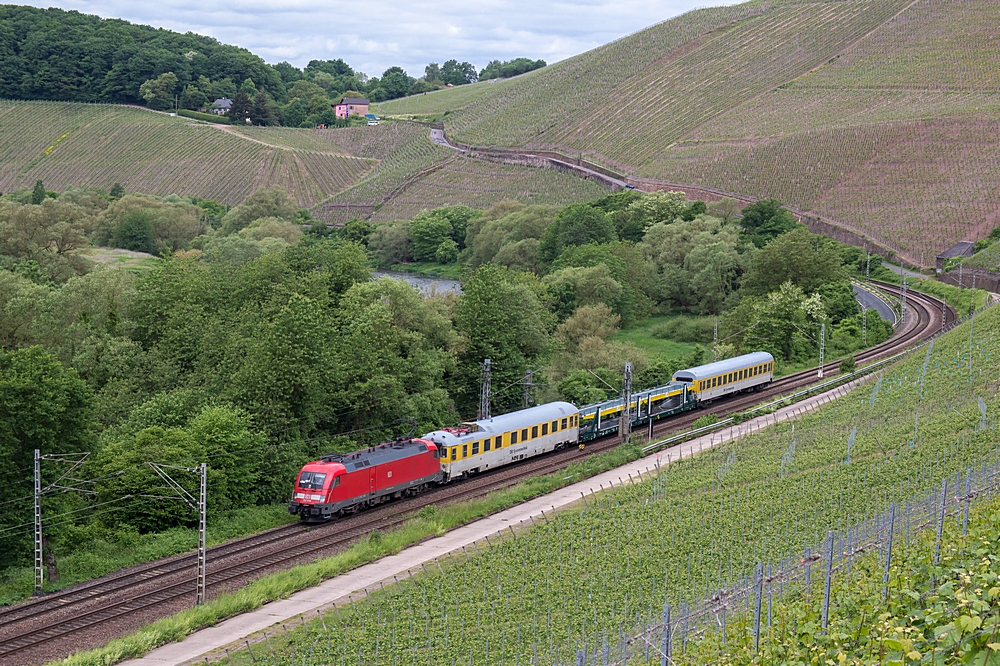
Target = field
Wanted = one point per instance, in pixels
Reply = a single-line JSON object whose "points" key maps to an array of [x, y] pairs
{"points": [[478, 183], [644, 336], [584, 579], [95, 145], [879, 116]]}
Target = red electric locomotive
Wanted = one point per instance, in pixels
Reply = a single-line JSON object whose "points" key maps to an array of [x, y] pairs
{"points": [[344, 483]]}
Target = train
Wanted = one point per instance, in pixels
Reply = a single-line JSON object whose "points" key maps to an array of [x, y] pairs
{"points": [[338, 484]]}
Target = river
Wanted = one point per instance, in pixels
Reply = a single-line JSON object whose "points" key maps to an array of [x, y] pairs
{"points": [[425, 284]]}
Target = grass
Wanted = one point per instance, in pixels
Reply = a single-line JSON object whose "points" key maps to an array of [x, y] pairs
{"points": [[642, 335], [963, 300], [99, 552]]}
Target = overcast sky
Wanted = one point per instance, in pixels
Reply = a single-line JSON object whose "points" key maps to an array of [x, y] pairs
{"points": [[372, 35]]}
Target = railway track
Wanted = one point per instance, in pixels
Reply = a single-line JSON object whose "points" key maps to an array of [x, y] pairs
{"points": [[41, 629]]}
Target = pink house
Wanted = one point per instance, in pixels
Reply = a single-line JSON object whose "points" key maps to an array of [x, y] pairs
{"points": [[351, 106]]}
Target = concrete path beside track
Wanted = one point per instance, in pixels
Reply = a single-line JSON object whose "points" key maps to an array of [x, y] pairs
{"points": [[231, 633]]}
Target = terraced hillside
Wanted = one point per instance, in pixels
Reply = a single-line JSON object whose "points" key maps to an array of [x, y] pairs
{"points": [[880, 115], [97, 145], [477, 183]]}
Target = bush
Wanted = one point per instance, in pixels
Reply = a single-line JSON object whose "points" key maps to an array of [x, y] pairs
{"points": [[134, 231], [207, 117], [848, 364], [686, 329], [706, 420]]}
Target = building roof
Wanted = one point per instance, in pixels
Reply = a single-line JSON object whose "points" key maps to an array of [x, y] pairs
{"points": [[500, 424], [223, 103], [353, 100], [728, 365], [959, 249]]}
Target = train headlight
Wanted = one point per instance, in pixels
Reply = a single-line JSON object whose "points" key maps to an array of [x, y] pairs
{"points": [[300, 495], [315, 498]]}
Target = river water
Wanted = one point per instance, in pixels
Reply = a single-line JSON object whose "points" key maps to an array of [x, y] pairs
{"points": [[426, 285]]}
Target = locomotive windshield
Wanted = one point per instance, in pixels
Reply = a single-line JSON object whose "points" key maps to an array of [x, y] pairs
{"points": [[311, 480]]}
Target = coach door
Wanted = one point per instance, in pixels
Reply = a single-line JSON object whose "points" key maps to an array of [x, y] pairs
{"points": [[371, 479]]}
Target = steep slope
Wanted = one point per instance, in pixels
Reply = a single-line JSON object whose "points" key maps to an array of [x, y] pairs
{"points": [[64, 144], [879, 115]]}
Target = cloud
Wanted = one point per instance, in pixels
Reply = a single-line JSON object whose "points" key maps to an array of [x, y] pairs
{"points": [[376, 34]]}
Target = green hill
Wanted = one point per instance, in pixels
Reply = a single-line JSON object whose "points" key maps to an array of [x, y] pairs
{"points": [[878, 115]]}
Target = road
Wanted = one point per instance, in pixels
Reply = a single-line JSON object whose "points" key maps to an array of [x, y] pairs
{"points": [[870, 301]]}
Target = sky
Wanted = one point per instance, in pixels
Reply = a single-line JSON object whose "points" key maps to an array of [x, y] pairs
{"points": [[372, 35]]}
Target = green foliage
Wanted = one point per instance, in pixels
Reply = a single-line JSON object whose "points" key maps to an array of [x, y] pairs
{"points": [[577, 224], [502, 317], [686, 329], [158, 93], [765, 220], [784, 323], [43, 406], [847, 364], [267, 202], [695, 265], [706, 420], [428, 232], [357, 231], [134, 231], [117, 191], [798, 256], [492, 236], [496, 69], [207, 117], [38, 194]]}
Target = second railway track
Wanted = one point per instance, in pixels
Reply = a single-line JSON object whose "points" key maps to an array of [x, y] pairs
{"points": [[91, 613]]}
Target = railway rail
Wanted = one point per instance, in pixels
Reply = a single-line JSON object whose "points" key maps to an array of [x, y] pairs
{"points": [[89, 614]]}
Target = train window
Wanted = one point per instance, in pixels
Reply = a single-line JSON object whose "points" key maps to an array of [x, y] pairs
{"points": [[336, 482], [498, 441], [486, 445], [465, 450], [513, 437], [545, 429], [534, 432], [524, 434], [454, 452], [555, 426], [564, 424], [475, 448]]}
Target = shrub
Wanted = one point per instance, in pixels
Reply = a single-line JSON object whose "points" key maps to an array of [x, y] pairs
{"points": [[706, 420], [686, 329], [207, 117], [848, 364]]}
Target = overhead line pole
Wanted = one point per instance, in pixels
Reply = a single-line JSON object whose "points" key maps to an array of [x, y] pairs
{"points": [[201, 505], [625, 424], [39, 571], [484, 397]]}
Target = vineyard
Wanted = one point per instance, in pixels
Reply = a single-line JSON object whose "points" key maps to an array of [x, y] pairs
{"points": [[596, 577], [866, 113], [478, 183], [66, 144]]}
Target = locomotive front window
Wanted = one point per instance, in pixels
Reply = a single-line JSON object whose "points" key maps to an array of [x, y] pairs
{"points": [[311, 480]]}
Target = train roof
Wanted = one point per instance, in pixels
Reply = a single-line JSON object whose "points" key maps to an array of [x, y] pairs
{"points": [[500, 424], [377, 455], [727, 365]]}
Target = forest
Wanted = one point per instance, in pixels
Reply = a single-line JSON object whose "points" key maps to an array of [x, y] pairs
{"points": [[259, 339], [52, 54]]}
